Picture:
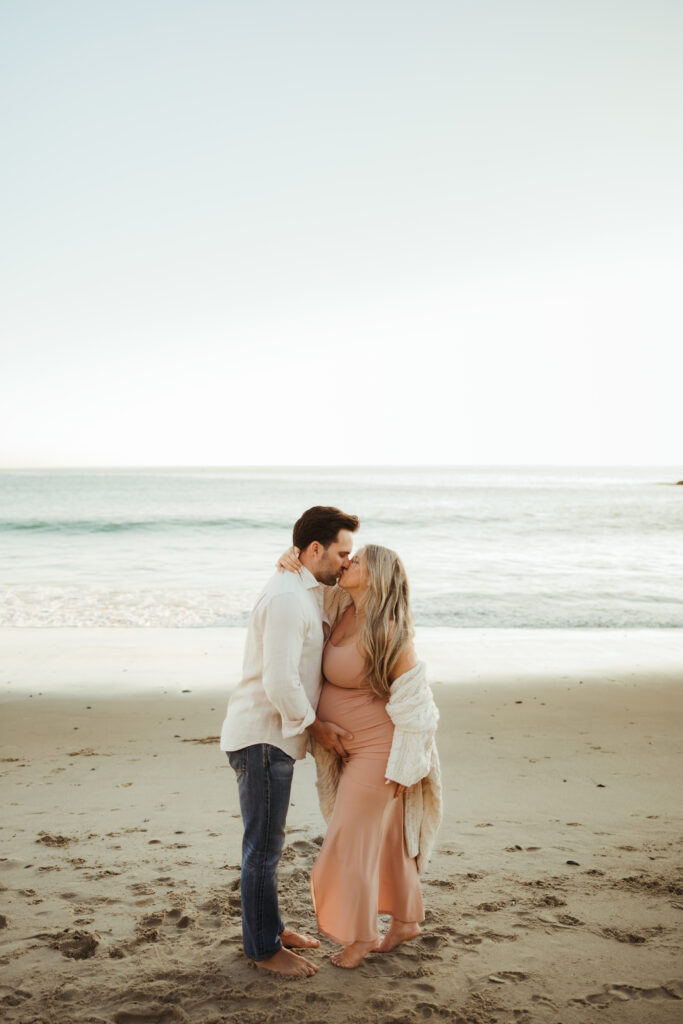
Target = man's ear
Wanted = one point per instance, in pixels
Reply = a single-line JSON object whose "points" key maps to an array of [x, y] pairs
{"points": [[315, 549]]}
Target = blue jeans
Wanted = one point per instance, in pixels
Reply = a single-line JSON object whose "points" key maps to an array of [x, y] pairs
{"points": [[264, 780]]}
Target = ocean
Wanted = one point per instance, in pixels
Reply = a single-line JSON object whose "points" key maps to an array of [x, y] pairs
{"points": [[483, 546]]}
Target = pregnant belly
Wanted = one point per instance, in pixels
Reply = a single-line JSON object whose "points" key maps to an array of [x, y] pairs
{"points": [[360, 712]]}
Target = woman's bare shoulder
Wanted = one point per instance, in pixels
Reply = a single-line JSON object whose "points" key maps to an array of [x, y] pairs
{"points": [[407, 659]]}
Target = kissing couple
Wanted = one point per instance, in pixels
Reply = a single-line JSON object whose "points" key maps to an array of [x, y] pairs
{"points": [[330, 668]]}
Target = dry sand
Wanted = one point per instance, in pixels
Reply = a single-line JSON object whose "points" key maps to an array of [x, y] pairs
{"points": [[555, 893]]}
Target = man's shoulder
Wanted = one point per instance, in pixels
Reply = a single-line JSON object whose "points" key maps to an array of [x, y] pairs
{"points": [[283, 583]]}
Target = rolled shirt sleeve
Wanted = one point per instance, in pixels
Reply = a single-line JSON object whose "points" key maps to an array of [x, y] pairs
{"points": [[283, 639], [335, 603]]}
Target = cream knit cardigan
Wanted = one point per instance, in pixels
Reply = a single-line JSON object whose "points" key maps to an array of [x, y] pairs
{"points": [[413, 762]]}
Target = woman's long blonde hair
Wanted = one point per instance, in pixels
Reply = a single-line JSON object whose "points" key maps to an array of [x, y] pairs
{"points": [[388, 625]]}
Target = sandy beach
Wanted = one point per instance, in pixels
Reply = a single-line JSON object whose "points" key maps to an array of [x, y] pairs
{"points": [[555, 893]]}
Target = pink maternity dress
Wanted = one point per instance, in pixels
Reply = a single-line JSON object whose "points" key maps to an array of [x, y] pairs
{"points": [[363, 868]]}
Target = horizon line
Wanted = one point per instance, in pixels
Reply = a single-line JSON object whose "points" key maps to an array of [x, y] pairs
{"points": [[345, 465]]}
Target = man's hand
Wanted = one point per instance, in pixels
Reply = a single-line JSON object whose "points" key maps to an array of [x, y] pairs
{"points": [[330, 736], [399, 788]]}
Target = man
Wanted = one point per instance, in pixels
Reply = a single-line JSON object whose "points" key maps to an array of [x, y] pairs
{"points": [[268, 718]]}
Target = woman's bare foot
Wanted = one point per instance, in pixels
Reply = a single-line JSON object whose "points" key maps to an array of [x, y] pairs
{"points": [[295, 940], [289, 964], [399, 931], [351, 956]]}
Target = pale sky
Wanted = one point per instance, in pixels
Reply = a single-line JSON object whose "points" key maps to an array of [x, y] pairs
{"points": [[438, 231]]}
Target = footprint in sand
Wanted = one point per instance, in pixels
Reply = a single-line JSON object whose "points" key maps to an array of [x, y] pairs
{"points": [[498, 937], [623, 993], [149, 928], [141, 889], [317, 998], [544, 1001], [154, 1014], [304, 848], [410, 975], [633, 938], [549, 901], [426, 1009], [74, 945], [492, 907], [13, 996], [560, 921], [179, 919], [504, 976], [380, 1003], [466, 939], [654, 884], [47, 839]]}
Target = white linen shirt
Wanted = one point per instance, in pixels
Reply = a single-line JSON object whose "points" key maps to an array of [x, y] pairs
{"points": [[277, 697]]}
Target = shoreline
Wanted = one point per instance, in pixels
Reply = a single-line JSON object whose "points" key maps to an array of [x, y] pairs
{"points": [[126, 661]]}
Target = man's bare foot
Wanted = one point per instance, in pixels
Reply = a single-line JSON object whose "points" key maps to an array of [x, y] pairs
{"points": [[351, 956], [289, 964], [295, 940], [399, 931]]}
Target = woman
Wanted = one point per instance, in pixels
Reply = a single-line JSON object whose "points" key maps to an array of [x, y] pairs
{"points": [[383, 803]]}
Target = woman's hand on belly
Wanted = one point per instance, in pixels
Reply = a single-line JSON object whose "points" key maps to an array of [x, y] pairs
{"points": [[399, 788]]}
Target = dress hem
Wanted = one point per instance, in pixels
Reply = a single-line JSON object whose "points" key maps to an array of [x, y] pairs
{"points": [[376, 938], [341, 942]]}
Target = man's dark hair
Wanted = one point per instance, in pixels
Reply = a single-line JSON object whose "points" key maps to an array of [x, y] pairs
{"points": [[322, 523]]}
